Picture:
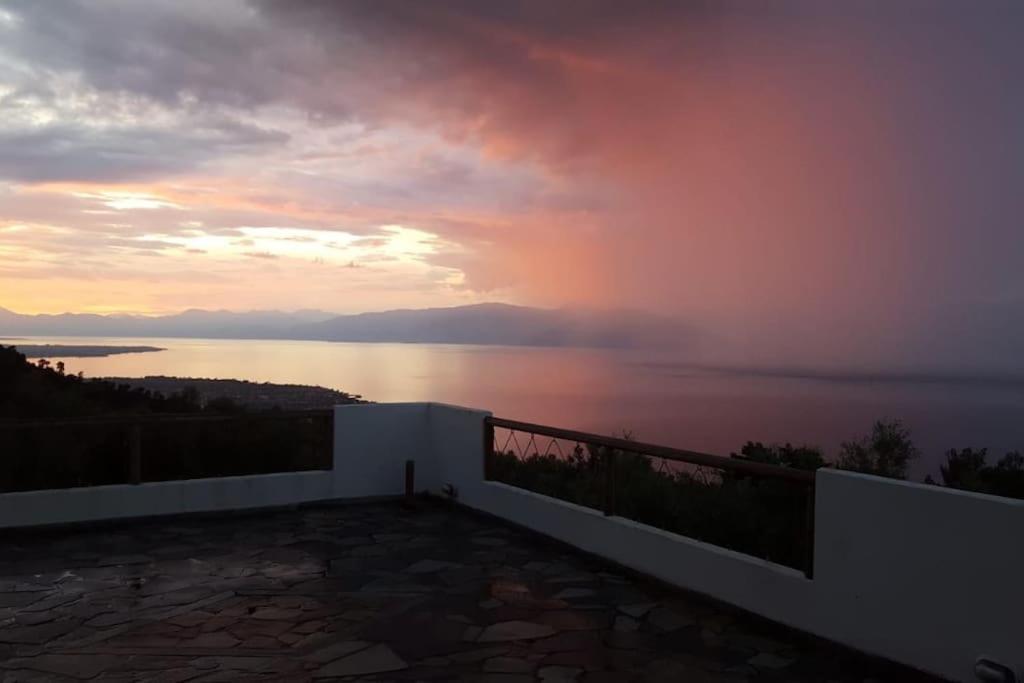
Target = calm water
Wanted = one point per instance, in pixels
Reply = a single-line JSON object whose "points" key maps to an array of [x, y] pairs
{"points": [[657, 398]]}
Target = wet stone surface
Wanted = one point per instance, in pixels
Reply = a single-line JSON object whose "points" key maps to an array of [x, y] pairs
{"points": [[366, 593]]}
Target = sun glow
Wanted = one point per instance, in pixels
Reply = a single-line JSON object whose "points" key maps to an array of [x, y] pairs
{"points": [[127, 201], [392, 244]]}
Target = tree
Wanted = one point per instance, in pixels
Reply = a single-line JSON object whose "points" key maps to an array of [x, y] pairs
{"points": [[798, 457], [1007, 477], [886, 452], [967, 469], [964, 469]]}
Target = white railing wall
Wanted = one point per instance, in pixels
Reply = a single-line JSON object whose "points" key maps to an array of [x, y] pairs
{"points": [[124, 501], [925, 576], [922, 575]]}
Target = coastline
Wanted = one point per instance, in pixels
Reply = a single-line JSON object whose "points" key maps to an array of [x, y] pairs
{"points": [[253, 395], [48, 351]]}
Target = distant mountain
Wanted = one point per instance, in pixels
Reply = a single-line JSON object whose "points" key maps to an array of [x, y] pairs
{"points": [[477, 324], [500, 324], [191, 323]]}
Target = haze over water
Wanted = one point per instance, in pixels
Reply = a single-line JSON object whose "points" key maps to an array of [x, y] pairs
{"points": [[657, 397]]}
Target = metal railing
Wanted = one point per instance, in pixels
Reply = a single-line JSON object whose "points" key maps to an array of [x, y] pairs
{"points": [[758, 508], [42, 453]]}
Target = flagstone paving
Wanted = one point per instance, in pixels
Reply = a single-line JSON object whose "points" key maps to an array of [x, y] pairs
{"points": [[367, 593]]}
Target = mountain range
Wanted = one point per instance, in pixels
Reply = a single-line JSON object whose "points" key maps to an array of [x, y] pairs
{"points": [[476, 324]]}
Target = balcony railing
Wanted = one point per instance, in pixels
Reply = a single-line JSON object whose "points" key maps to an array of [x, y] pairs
{"points": [[130, 449], [755, 508]]}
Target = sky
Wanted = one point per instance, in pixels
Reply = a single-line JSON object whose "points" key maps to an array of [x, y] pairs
{"points": [[802, 180]]}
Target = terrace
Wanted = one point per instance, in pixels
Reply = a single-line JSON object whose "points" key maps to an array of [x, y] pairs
{"points": [[349, 577], [372, 590]]}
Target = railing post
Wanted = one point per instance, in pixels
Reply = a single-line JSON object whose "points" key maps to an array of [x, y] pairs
{"points": [[135, 453], [609, 482], [809, 530], [488, 449], [410, 483], [329, 440]]}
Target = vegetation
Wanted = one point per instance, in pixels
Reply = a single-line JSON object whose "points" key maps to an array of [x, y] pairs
{"points": [[43, 389], [797, 457], [967, 469], [886, 452], [758, 516], [35, 457]]}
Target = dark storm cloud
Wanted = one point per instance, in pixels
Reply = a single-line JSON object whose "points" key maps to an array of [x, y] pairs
{"points": [[151, 49], [124, 92], [65, 152]]}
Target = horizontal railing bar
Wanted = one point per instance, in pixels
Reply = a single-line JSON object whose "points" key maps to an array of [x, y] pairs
{"points": [[665, 452], [159, 418]]}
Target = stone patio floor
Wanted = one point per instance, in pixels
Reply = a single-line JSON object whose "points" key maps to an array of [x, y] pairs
{"points": [[370, 593]]}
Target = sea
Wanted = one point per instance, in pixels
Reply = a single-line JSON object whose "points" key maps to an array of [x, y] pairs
{"points": [[654, 397]]}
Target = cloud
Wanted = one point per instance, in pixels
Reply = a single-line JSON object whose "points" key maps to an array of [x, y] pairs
{"points": [[171, 52], [62, 152], [774, 171], [770, 170]]}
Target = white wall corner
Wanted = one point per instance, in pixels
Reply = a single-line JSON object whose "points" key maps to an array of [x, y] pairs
{"points": [[372, 443], [457, 437]]}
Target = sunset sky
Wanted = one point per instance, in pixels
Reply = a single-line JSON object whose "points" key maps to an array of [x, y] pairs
{"points": [[803, 177]]}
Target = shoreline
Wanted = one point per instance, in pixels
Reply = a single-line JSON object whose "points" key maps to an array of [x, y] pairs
{"points": [[47, 351], [245, 393]]}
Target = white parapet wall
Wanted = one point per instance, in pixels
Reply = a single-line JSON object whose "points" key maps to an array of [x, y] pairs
{"points": [[926, 576], [922, 575], [67, 506], [372, 443]]}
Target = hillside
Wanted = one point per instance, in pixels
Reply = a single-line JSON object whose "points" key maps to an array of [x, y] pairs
{"points": [[42, 389], [246, 394]]}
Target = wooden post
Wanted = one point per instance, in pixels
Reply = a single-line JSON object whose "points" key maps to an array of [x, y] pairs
{"points": [[329, 440], [135, 453], [488, 450], [609, 482], [410, 482], [809, 531]]}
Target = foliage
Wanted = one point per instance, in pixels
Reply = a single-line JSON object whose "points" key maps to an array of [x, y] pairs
{"points": [[40, 390], [758, 516], [222, 440], [967, 469], [886, 452], [798, 457]]}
